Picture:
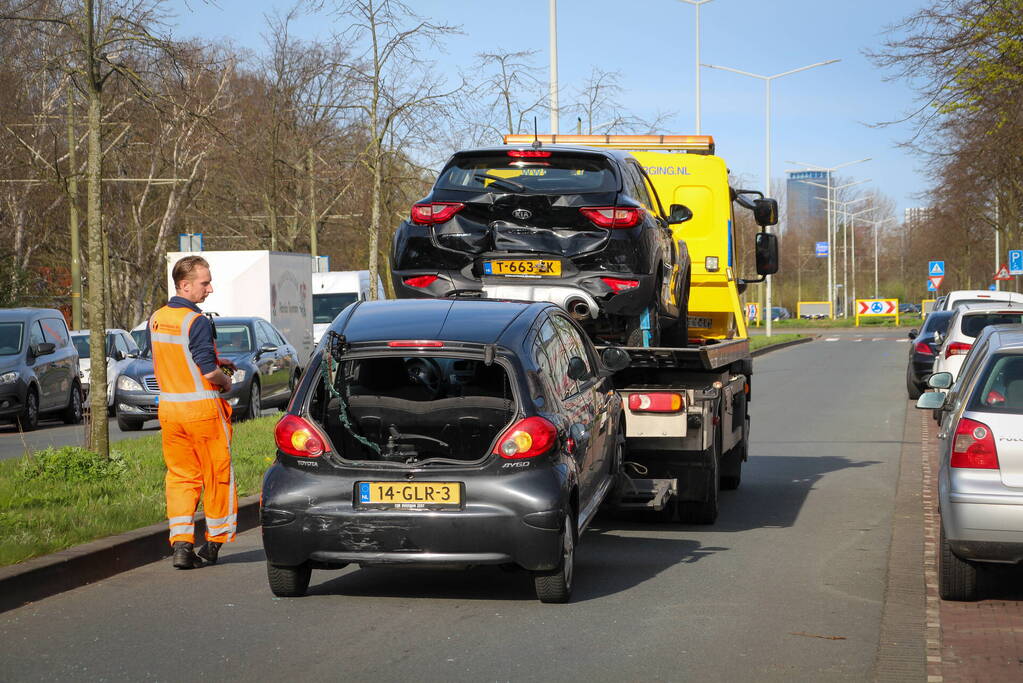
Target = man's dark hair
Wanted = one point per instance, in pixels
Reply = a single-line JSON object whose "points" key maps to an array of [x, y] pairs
{"points": [[184, 268]]}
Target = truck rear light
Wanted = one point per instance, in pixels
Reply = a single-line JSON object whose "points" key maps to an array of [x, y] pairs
{"points": [[296, 436], [431, 213], [613, 217], [619, 285], [957, 349], [420, 281], [527, 438], [659, 402], [529, 153], [973, 446], [415, 344], [924, 349]]}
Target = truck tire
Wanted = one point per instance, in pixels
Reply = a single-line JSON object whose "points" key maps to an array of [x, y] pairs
{"points": [[289, 582], [705, 511], [556, 586], [731, 463], [957, 579]]}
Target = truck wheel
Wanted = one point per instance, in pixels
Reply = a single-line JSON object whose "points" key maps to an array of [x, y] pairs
{"points": [[731, 464], [289, 582], [556, 586], [705, 511], [957, 579]]}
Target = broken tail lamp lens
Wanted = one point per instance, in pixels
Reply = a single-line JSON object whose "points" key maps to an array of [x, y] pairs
{"points": [[420, 281], [614, 217], [296, 436], [527, 438], [618, 285], [431, 213], [657, 402]]}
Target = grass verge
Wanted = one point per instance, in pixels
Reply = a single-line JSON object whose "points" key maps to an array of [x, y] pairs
{"points": [[904, 321], [761, 341], [59, 498]]}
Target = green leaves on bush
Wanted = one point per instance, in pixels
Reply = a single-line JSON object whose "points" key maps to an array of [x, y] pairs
{"points": [[71, 464]]}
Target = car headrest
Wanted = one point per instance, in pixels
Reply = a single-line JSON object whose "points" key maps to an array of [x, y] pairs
{"points": [[381, 374]]}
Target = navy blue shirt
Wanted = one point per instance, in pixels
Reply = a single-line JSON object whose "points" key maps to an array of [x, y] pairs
{"points": [[200, 336]]}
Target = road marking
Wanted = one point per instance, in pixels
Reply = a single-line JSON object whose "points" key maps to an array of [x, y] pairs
{"points": [[831, 339], [858, 339], [901, 341]]}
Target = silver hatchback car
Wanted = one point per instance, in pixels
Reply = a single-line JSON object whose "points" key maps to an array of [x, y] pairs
{"points": [[980, 478]]}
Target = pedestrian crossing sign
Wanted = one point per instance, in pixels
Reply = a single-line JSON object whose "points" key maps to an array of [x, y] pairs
{"points": [[935, 268]]}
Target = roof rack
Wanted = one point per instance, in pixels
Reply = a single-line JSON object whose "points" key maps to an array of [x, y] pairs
{"points": [[693, 144]]}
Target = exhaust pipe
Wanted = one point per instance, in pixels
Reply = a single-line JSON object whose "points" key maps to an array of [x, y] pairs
{"points": [[578, 309]]}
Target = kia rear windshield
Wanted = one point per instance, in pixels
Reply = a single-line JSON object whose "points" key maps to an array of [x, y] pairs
{"points": [[973, 323], [1000, 390], [558, 173]]}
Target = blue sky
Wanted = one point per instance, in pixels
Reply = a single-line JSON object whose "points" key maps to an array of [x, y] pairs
{"points": [[820, 116]]}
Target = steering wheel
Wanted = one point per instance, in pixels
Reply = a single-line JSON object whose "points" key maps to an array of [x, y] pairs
{"points": [[426, 371]]}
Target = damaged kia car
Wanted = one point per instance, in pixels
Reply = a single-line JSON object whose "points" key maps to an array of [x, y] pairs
{"points": [[579, 227], [444, 432]]}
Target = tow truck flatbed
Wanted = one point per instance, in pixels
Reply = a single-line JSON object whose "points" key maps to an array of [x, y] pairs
{"points": [[711, 356]]}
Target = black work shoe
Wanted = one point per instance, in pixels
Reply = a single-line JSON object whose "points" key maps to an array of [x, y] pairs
{"points": [[208, 553], [184, 557]]}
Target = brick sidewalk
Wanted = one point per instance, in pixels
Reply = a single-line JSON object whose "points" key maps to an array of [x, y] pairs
{"points": [[967, 641]]}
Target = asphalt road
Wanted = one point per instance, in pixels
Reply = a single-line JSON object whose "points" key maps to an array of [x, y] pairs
{"points": [[788, 585], [53, 432]]}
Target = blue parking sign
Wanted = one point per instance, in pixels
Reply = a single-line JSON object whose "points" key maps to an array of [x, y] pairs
{"points": [[1016, 262], [821, 249]]}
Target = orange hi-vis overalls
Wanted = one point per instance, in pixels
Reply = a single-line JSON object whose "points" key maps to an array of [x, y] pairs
{"points": [[196, 430]]}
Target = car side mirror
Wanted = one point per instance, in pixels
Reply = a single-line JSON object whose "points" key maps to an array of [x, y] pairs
{"points": [[615, 358], [43, 348], [577, 369], [931, 400], [766, 246], [913, 334], [940, 380], [679, 213], [118, 354], [266, 348], [765, 211]]}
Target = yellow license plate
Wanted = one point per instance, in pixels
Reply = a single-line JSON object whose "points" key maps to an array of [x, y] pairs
{"points": [[404, 494], [536, 268]]}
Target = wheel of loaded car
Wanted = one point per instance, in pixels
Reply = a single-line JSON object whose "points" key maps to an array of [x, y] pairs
{"points": [[634, 330]]}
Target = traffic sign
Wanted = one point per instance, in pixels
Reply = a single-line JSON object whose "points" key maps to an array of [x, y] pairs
{"points": [[821, 249], [1016, 262], [935, 268], [934, 282], [875, 307], [931, 287], [751, 311], [1003, 273]]}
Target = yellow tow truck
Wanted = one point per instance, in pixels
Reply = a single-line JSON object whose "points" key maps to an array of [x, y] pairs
{"points": [[687, 417]]}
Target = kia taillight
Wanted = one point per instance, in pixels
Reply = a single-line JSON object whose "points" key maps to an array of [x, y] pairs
{"points": [[613, 216], [296, 436], [420, 281], [656, 402], [957, 349], [973, 446], [527, 438], [924, 349], [619, 285], [430, 213]]}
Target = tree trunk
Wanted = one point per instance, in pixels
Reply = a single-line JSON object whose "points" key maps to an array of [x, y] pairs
{"points": [[374, 223], [98, 432]]}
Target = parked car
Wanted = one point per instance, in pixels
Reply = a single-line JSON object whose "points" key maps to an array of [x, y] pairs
{"points": [[966, 323], [780, 313], [38, 368], [268, 369], [961, 297], [909, 308], [922, 351], [444, 432], [980, 476], [579, 227], [120, 350], [139, 336]]}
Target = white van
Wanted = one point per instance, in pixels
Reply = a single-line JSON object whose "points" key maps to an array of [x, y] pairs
{"points": [[335, 290], [957, 298]]}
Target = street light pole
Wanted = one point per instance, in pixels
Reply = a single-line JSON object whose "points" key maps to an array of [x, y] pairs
{"points": [[554, 66], [697, 4], [830, 171], [767, 150], [877, 225]]}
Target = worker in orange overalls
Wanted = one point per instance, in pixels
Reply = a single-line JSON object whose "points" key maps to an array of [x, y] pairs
{"points": [[194, 420]]}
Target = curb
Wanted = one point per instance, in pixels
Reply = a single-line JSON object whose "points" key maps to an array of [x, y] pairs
{"points": [[41, 577], [783, 345]]}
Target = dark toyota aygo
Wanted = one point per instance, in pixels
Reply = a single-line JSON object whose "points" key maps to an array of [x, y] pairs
{"points": [[444, 432]]}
